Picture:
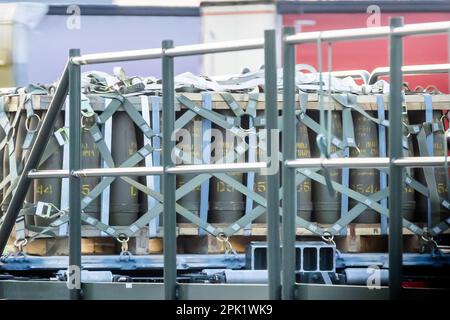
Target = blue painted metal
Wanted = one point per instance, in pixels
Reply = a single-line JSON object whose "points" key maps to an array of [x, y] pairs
{"points": [[382, 153], [344, 198], [346, 260], [156, 142], [429, 118], [206, 157], [202, 261], [109, 262], [250, 175]]}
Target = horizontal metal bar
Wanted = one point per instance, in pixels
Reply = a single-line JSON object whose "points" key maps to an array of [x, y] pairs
{"points": [[113, 263], [144, 171], [348, 73], [219, 168], [215, 47], [368, 33], [339, 35], [156, 53], [113, 172], [118, 56], [57, 290], [43, 174], [422, 28], [370, 162], [99, 172], [243, 167], [411, 70]]}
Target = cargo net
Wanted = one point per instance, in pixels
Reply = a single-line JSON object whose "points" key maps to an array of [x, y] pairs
{"points": [[121, 127]]}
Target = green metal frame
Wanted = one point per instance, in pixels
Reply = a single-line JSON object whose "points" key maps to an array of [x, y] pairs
{"points": [[173, 290]]}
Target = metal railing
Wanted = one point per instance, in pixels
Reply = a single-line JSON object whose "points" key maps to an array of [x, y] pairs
{"points": [[411, 70], [71, 78], [396, 31], [371, 78]]}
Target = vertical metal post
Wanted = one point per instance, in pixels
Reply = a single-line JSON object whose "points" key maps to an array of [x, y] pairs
{"points": [[170, 236], [395, 172], [288, 174], [74, 182], [272, 178]]}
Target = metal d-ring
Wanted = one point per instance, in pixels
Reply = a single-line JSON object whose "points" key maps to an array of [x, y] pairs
{"points": [[328, 237], [20, 244], [28, 122], [123, 239]]}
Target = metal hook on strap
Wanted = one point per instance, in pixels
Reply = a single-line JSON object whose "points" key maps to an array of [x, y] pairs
{"points": [[20, 244], [123, 239], [329, 238], [229, 251], [429, 240]]}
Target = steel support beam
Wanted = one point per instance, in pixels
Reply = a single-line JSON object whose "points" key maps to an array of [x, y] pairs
{"points": [[74, 181], [272, 178], [169, 186], [289, 201], [395, 172]]}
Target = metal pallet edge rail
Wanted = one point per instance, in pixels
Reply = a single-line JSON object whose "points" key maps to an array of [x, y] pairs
{"points": [[396, 31], [168, 170]]}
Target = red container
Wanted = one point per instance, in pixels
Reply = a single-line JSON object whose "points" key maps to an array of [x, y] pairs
{"points": [[370, 54]]}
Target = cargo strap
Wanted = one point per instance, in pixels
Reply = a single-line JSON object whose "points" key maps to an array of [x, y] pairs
{"points": [[251, 112], [429, 175], [106, 194], [240, 149], [206, 158], [425, 128], [233, 228], [157, 209], [152, 159], [362, 199], [323, 140], [382, 153]]}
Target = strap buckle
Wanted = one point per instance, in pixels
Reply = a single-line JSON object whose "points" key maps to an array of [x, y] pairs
{"points": [[404, 108], [43, 209], [62, 135]]}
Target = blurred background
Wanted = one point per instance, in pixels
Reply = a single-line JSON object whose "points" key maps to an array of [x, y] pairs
{"points": [[35, 36]]}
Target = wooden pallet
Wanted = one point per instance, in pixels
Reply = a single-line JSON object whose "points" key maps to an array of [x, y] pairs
{"points": [[203, 244], [60, 246], [367, 102], [260, 229], [359, 238]]}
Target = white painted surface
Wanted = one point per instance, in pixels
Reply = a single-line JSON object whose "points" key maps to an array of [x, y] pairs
{"points": [[227, 23]]}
